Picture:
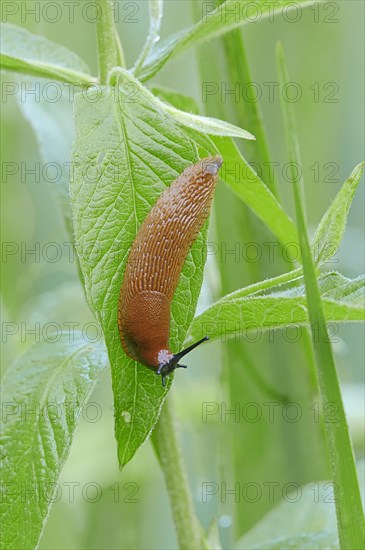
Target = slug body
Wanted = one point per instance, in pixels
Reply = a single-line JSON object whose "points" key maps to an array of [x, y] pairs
{"points": [[155, 263]]}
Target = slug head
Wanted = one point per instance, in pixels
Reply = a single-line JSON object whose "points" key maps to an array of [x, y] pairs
{"points": [[170, 362]]}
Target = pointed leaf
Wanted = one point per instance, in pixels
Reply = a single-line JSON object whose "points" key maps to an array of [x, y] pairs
{"points": [[132, 151], [24, 52], [52, 122], [202, 124], [231, 317], [155, 10], [247, 185], [54, 131], [215, 22], [42, 397], [208, 125], [350, 517], [331, 228], [239, 175], [43, 70]]}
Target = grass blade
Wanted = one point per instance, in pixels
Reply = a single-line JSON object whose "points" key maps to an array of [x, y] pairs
{"points": [[349, 512]]}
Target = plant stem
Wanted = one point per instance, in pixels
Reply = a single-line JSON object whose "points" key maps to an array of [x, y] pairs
{"points": [[350, 519], [110, 50], [164, 438], [155, 8], [248, 112]]}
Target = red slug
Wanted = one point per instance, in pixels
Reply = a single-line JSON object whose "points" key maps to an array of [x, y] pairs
{"points": [[155, 263]]}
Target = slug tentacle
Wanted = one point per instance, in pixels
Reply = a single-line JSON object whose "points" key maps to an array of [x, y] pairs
{"points": [[155, 263]]}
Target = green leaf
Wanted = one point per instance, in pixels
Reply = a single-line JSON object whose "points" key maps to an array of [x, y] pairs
{"points": [[257, 288], [227, 16], [312, 522], [251, 370], [324, 540], [233, 317], [132, 151], [54, 130], [43, 70], [213, 536], [247, 185], [239, 175], [202, 124], [334, 286], [43, 395], [350, 519], [175, 98], [207, 125], [27, 53], [52, 122], [331, 228], [155, 10], [254, 373], [22, 44]]}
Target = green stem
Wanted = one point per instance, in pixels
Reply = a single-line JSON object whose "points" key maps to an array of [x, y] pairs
{"points": [[155, 8], [249, 113], [110, 52], [189, 532], [350, 519], [143, 55]]}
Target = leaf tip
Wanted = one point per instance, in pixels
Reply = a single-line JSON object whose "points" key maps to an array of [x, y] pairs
{"points": [[249, 136]]}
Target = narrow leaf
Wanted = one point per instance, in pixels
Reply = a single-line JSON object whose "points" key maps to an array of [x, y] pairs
{"points": [[52, 122], [175, 98], [54, 131], [238, 317], [239, 176], [331, 228], [247, 185], [207, 125], [266, 284], [321, 540], [42, 397], [215, 22], [155, 10], [350, 519], [27, 53], [44, 70]]}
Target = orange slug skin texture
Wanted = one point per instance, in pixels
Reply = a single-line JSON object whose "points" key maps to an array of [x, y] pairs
{"points": [[156, 259]]}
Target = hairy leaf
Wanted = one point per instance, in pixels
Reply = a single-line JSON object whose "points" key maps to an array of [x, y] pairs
{"points": [[231, 317], [43, 394], [127, 151], [31, 54]]}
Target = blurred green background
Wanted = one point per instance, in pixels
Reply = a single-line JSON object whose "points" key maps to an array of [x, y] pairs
{"points": [[99, 507]]}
